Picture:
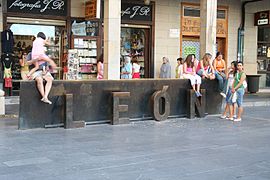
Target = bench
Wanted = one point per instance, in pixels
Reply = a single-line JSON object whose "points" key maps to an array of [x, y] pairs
{"points": [[92, 101]]}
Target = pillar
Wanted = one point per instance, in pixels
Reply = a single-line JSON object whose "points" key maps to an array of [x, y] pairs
{"points": [[112, 28], [2, 102], [208, 10]]}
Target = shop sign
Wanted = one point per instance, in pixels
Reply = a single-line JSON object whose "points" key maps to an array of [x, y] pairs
{"points": [[85, 28], [92, 9], [136, 12], [191, 26], [263, 22], [41, 7], [262, 18]]}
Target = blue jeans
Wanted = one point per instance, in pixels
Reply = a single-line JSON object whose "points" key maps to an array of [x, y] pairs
{"points": [[221, 77]]}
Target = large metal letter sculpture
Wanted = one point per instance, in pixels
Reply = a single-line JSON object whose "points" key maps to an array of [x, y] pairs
{"points": [[195, 104], [161, 101], [117, 108], [68, 122]]}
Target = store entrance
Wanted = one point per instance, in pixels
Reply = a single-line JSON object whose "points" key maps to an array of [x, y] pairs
{"points": [[221, 47], [23, 39], [136, 44]]}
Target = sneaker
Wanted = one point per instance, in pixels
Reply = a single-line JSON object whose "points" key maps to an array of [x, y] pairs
{"points": [[231, 119], [237, 119], [234, 116], [197, 93], [223, 94], [223, 117], [46, 101]]}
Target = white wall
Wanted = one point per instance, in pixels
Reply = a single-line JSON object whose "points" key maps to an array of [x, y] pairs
{"points": [[167, 17], [78, 8]]}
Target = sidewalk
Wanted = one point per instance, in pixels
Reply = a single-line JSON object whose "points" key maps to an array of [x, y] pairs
{"points": [[205, 149]]}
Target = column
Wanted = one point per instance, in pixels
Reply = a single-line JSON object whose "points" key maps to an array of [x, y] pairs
{"points": [[208, 10], [112, 28]]}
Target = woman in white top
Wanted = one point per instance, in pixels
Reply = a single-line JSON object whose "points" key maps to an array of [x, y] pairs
{"points": [[230, 77], [135, 69]]}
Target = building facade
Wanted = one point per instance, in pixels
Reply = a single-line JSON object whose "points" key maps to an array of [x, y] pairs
{"points": [[171, 28]]}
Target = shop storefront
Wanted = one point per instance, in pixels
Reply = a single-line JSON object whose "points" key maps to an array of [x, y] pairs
{"points": [[24, 19], [262, 20], [137, 35], [190, 30]]}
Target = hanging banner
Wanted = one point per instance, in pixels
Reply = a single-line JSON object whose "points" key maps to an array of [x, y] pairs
{"points": [[45, 7]]}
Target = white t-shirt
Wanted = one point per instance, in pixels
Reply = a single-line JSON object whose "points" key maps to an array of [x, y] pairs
{"points": [[136, 67]]}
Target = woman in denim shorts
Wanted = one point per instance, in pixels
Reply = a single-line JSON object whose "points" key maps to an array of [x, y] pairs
{"points": [[239, 89]]}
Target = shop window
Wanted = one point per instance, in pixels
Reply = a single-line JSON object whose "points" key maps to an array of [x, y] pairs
{"points": [[191, 11], [133, 44], [221, 14], [195, 12]]}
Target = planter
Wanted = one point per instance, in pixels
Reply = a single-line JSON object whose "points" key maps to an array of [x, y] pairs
{"points": [[253, 83]]}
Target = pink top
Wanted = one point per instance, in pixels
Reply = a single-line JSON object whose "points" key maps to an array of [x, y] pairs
{"points": [[38, 48], [100, 74], [189, 69]]}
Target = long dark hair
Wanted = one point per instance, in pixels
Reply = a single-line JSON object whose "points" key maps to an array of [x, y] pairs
{"points": [[235, 67], [101, 59], [189, 61]]}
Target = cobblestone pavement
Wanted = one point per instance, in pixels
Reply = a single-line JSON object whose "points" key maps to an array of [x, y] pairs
{"points": [[208, 148]]}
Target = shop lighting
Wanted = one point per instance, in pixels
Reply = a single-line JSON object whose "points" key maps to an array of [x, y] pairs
{"points": [[146, 2], [36, 22]]}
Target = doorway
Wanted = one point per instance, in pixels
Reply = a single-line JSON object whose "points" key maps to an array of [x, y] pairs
{"points": [[136, 44]]}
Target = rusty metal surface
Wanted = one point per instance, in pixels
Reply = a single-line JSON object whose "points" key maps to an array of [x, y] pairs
{"points": [[117, 108], [92, 100]]}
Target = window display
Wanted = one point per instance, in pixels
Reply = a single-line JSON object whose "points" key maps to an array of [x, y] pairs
{"points": [[133, 45], [82, 59]]}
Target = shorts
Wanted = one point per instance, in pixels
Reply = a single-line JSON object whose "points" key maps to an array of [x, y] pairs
{"points": [[240, 94], [39, 74], [229, 96], [136, 75], [239, 97]]}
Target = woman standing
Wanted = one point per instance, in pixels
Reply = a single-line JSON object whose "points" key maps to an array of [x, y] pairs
{"points": [[239, 89], [179, 68], [165, 69], [230, 78], [220, 67], [135, 69], [190, 73], [100, 68], [126, 70], [24, 66]]}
